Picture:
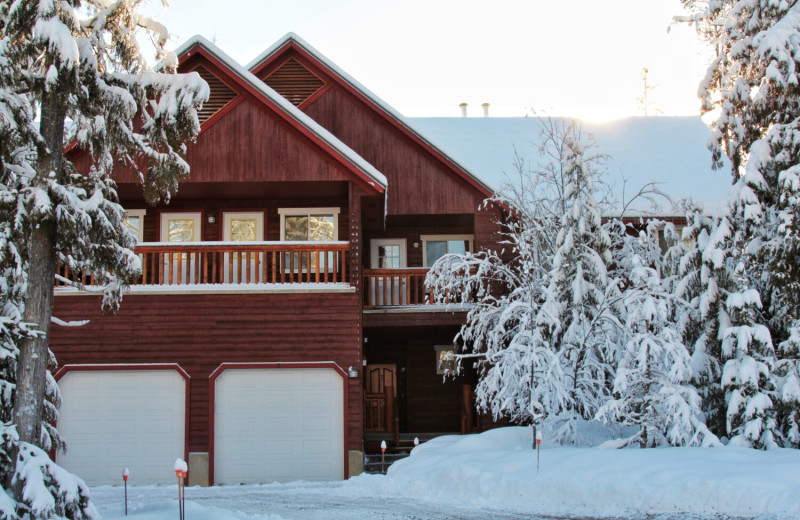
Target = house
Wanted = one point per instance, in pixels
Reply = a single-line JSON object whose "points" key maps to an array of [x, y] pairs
{"points": [[281, 323]]}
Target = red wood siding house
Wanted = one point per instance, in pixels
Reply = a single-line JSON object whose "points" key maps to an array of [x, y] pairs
{"points": [[281, 324]]}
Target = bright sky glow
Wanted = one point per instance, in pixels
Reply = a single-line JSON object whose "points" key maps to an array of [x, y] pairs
{"points": [[582, 58]]}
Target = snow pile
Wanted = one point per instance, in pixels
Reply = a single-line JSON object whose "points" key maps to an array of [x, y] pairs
{"points": [[498, 467]]}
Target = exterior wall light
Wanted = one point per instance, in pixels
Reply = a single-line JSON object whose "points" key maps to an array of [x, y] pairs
{"points": [[352, 372]]}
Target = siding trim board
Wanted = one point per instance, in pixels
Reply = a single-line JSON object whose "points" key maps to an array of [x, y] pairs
{"points": [[212, 379]]}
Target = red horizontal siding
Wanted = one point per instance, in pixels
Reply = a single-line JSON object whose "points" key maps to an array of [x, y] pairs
{"points": [[200, 332], [419, 183]]}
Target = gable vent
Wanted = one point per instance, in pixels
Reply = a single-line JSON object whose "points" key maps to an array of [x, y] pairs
{"points": [[221, 94], [294, 82]]}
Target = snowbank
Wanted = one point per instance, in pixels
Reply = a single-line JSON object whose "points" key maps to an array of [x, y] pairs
{"points": [[498, 468]]}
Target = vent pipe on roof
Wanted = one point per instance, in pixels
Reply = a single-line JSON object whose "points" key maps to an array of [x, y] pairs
{"points": [[463, 107], [485, 107]]}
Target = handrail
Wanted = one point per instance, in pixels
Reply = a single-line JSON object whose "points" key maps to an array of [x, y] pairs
{"points": [[398, 287], [240, 263]]}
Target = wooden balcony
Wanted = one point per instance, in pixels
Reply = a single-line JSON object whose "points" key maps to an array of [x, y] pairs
{"points": [[240, 264], [398, 288]]}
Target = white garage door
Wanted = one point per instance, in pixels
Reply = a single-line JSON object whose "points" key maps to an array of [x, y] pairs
{"points": [[279, 424], [113, 419]]}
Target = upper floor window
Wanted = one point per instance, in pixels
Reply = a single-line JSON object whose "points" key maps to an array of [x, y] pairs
{"points": [[180, 227], [388, 253], [309, 224], [436, 246], [134, 221], [238, 226]]}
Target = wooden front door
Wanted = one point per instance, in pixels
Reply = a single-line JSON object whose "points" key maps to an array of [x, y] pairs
{"points": [[380, 397]]}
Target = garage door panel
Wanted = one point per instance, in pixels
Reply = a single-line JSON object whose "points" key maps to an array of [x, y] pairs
{"points": [[112, 419], [289, 421]]}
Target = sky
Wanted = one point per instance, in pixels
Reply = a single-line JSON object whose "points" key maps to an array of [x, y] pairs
{"points": [[582, 58]]}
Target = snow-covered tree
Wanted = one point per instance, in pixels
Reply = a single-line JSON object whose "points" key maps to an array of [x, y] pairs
{"points": [[753, 88], [577, 319], [539, 329], [652, 386], [747, 373], [72, 71]]}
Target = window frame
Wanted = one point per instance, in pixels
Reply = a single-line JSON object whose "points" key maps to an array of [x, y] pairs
{"points": [[443, 238], [259, 217], [140, 214], [376, 243], [308, 212], [164, 217]]}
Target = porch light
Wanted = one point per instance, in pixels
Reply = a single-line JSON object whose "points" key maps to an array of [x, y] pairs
{"points": [[211, 219], [352, 372]]}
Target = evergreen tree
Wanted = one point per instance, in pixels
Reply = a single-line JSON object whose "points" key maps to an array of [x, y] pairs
{"points": [[652, 386], [753, 85], [72, 71], [536, 356], [576, 318]]}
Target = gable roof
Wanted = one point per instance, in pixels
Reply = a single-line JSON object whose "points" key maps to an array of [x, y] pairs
{"points": [[380, 106], [347, 156]]}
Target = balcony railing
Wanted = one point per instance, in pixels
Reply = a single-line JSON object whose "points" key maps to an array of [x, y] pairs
{"points": [[398, 287], [238, 263]]}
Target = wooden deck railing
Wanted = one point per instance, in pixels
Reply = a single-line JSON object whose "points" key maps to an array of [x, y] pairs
{"points": [[398, 287], [239, 263], [395, 287]]}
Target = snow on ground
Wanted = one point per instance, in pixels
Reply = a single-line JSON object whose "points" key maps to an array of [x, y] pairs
{"points": [[494, 475], [499, 466]]}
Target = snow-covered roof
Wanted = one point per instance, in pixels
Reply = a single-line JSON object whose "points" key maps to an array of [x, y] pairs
{"points": [[382, 105], [346, 152], [670, 151]]}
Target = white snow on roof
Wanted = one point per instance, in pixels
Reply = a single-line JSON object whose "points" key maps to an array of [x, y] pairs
{"points": [[670, 151], [388, 109], [348, 153]]}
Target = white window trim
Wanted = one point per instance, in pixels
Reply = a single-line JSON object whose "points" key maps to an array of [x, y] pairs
{"points": [[284, 212], [375, 243], [194, 215], [140, 213], [440, 238], [439, 349], [228, 215]]}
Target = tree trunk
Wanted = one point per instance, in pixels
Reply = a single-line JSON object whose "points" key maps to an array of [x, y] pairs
{"points": [[34, 352]]}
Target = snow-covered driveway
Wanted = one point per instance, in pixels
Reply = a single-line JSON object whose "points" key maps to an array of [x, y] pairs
{"points": [[299, 501]]}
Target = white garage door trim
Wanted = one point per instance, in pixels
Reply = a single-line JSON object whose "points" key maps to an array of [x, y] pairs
{"points": [[116, 416], [326, 428]]}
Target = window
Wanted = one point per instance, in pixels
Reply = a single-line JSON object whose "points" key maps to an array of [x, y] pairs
{"points": [[180, 227], [388, 253], [179, 266], [243, 227], [445, 359], [238, 226], [134, 221], [309, 224], [436, 246]]}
